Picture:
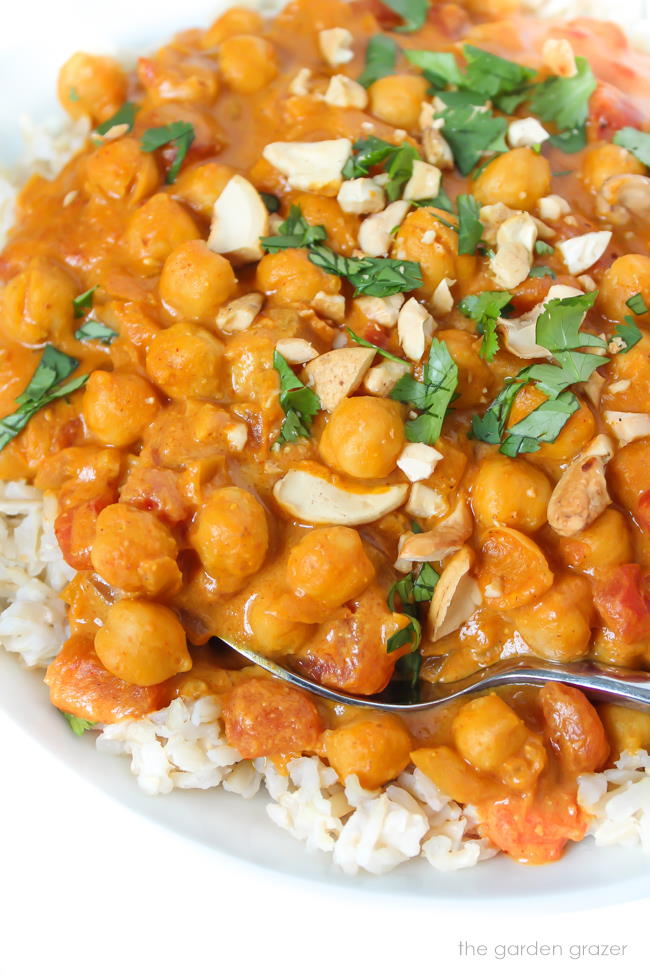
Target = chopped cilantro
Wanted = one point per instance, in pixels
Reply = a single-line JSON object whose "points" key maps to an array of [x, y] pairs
{"points": [[440, 202], [565, 101], [635, 141], [179, 134], [432, 396], [629, 333], [375, 276], [542, 271], [470, 227], [472, 132], [438, 67], [543, 425], [95, 331], [485, 309], [294, 232], [541, 247], [83, 302], [397, 161], [573, 140], [123, 116], [381, 56], [370, 345], [73, 94], [637, 304], [415, 588], [271, 202], [412, 12], [78, 725], [496, 78], [299, 403]]}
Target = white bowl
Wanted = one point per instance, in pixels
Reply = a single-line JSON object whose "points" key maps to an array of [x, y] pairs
{"points": [[585, 877]]}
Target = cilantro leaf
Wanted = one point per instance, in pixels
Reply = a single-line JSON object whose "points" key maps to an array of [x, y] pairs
{"points": [[630, 333], [471, 132], [377, 348], [371, 152], [400, 170], [375, 276], [78, 725], [381, 56], [439, 202], [494, 76], [95, 331], [490, 427], [415, 588], [470, 228], [637, 304], [485, 309], [123, 116], [439, 67], [271, 202], [635, 141], [543, 425], [83, 302], [412, 12], [299, 403], [411, 633], [565, 101], [541, 247], [294, 232], [573, 140], [432, 396], [179, 134], [542, 271], [558, 327]]}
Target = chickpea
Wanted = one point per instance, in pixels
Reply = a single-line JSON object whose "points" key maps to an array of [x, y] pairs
{"points": [[342, 228], [172, 77], [237, 20], [605, 543], [195, 282], [142, 643], [200, 186], [375, 749], [291, 277], [250, 360], [510, 491], [601, 162], [231, 536], [626, 276], [155, 229], [574, 728], [273, 633], [330, 565], [36, 305], [135, 552], [558, 626], [91, 85], [185, 360], [363, 437], [628, 380], [438, 256], [626, 728], [118, 406], [517, 178], [120, 170], [247, 63], [628, 475], [474, 376], [397, 99]]}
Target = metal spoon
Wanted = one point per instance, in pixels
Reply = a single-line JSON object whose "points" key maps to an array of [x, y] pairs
{"points": [[615, 684]]}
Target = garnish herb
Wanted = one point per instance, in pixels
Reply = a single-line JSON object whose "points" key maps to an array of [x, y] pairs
{"points": [[381, 56], [472, 132], [637, 304], [635, 141], [377, 348], [123, 116], [470, 228], [502, 81], [485, 309], [299, 403], [565, 101], [438, 67], [271, 202], [412, 12], [432, 396], [629, 333], [43, 388], [179, 134], [543, 425], [542, 271], [78, 725], [541, 247], [375, 276], [95, 331], [440, 202], [294, 232], [573, 140], [397, 161], [83, 302], [415, 588], [73, 94]]}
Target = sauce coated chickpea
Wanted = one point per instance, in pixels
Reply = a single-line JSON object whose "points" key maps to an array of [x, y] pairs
{"points": [[364, 437], [186, 360], [117, 406], [510, 492], [120, 170], [375, 749], [135, 552], [397, 99], [291, 278], [272, 632], [142, 642], [518, 178], [155, 229], [195, 282], [330, 565], [37, 303], [247, 63], [626, 276], [231, 536], [91, 85]]}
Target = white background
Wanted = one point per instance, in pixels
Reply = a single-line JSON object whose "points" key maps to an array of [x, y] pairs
{"points": [[89, 888]]}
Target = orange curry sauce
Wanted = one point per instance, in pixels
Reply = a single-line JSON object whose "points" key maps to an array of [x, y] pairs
{"points": [[183, 515]]}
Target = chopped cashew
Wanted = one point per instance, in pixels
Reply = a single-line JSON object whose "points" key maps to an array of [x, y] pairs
{"points": [[426, 117], [519, 334], [425, 502], [447, 536], [593, 388], [456, 597], [494, 215], [627, 427], [418, 461], [580, 495], [336, 374], [336, 45], [514, 257], [362, 195], [331, 306], [315, 497], [236, 435], [414, 326], [553, 207], [299, 84], [310, 166], [437, 150], [239, 314], [424, 183], [375, 233], [582, 252], [622, 199], [558, 57], [296, 351], [442, 300], [526, 132], [239, 219], [381, 379], [384, 311], [345, 93]]}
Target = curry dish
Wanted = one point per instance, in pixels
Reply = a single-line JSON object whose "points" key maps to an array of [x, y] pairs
{"points": [[334, 342]]}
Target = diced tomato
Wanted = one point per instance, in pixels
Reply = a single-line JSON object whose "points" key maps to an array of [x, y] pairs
{"points": [[622, 598], [81, 685], [156, 489], [574, 728], [610, 110], [76, 527], [533, 831], [643, 511], [265, 717]]}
